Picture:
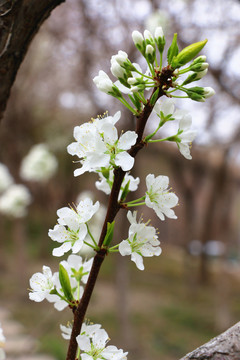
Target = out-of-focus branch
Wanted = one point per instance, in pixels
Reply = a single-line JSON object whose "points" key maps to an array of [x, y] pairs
{"points": [[223, 347], [20, 20]]}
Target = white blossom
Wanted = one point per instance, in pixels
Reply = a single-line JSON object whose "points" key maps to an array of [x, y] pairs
{"points": [[39, 164], [86, 329], [59, 303], [71, 229], [185, 136], [105, 185], [14, 201], [66, 331], [77, 269], [98, 145], [41, 284], [93, 346], [142, 241], [2, 344], [5, 178], [208, 92], [165, 109], [159, 197]]}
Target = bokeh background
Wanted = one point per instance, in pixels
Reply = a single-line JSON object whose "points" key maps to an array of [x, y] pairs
{"points": [[191, 292]]}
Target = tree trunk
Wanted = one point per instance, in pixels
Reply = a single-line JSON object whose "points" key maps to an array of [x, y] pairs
{"points": [[20, 20], [223, 347]]}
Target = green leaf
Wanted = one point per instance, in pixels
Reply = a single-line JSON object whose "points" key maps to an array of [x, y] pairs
{"points": [[154, 97], [187, 54], [65, 283], [109, 234], [173, 49]]}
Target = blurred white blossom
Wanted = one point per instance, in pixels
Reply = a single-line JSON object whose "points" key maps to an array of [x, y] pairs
{"points": [[2, 344], [39, 164], [15, 200], [5, 178]]}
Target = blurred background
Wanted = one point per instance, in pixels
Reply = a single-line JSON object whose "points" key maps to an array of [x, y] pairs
{"points": [[191, 292]]}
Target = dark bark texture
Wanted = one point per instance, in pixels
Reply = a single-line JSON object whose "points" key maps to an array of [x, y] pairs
{"points": [[223, 347], [20, 20]]}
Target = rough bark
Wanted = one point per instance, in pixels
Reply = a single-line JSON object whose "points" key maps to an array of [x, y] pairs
{"points": [[20, 20], [223, 347]]}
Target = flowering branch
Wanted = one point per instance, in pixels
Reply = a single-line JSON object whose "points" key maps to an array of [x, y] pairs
{"points": [[100, 150]]}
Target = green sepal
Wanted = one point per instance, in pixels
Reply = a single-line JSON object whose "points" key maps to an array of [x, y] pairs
{"points": [[105, 172], [54, 292], [125, 191], [154, 97], [187, 54], [109, 234], [173, 49], [65, 283]]}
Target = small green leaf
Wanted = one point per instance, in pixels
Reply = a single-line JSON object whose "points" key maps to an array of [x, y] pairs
{"points": [[109, 234], [173, 49], [65, 282], [154, 97], [125, 191]]}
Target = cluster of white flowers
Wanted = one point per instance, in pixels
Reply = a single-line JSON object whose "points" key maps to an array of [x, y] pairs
{"points": [[98, 146], [71, 229], [2, 344], [47, 285], [39, 164], [92, 343]]}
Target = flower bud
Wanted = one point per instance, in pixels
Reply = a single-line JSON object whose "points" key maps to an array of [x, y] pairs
{"points": [[208, 92], [137, 38], [201, 74], [199, 66], [132, 81], [159, 38], [148, 37], [158, 32], [150, 54], [200, 59], [187, 54], [120, 58], [117, 70]]}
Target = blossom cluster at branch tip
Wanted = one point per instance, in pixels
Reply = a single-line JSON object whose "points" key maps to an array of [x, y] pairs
{"points": [[142, 241], [98, 146], [71, 229]]}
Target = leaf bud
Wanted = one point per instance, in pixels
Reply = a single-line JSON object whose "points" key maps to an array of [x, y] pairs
{"points": [[187, 54]]}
